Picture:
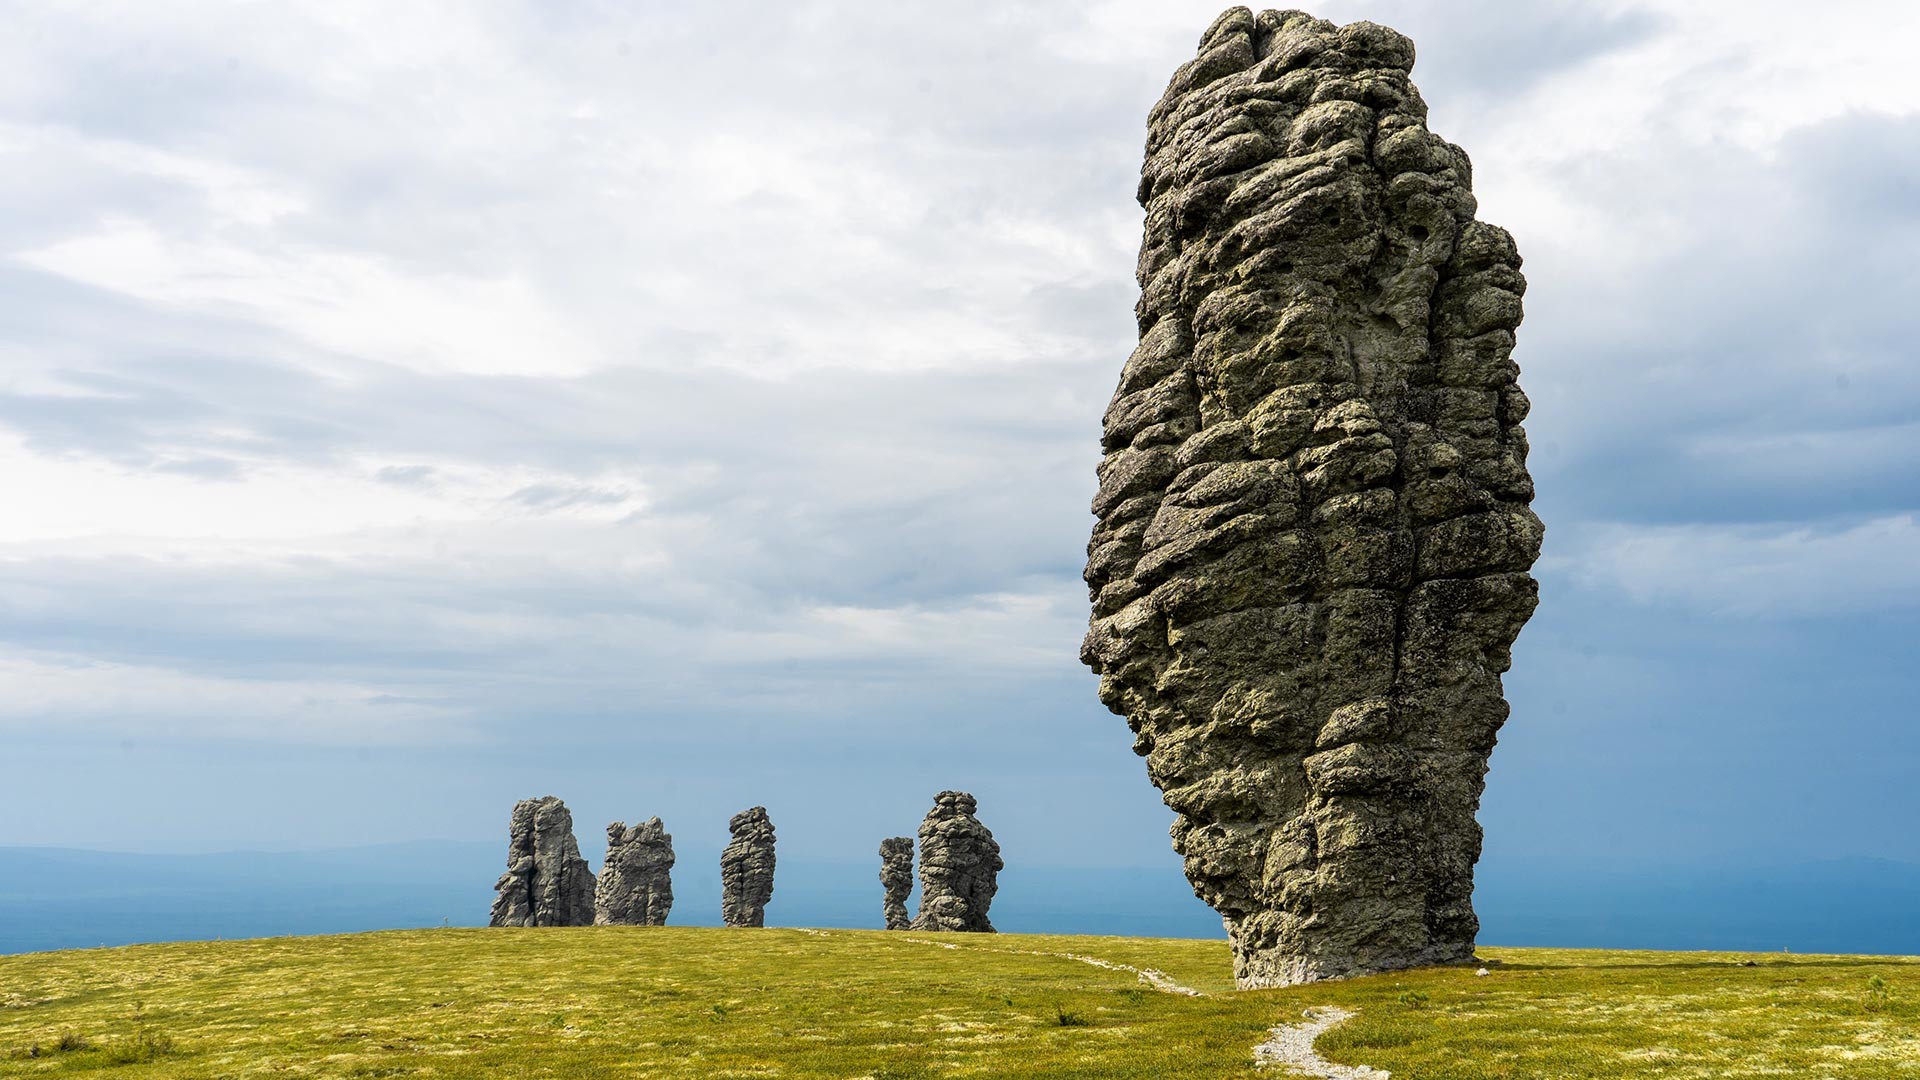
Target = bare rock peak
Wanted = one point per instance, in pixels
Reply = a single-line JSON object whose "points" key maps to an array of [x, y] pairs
{"points": [[896, 878], [1313, 540], [959, 867], [636, 881], [547, 883], [746, 869]]}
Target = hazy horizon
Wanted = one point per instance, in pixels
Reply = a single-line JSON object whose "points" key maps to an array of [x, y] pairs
{"points": [[409, 411], [1860, 906]]}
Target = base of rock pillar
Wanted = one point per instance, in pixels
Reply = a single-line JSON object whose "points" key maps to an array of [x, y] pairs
{"points": [[1273, 968]]}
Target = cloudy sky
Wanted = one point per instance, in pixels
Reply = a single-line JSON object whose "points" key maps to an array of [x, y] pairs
{"points": [[409, 408]]}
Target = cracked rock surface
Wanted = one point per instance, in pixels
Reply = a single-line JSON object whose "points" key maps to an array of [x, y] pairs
{"points": [[1313, 539], [636, 881], [746, 869], [959, 867], [896, 877], [547, 883]]}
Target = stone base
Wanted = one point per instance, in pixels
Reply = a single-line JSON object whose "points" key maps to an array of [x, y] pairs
{"points": [[1265, 971]]}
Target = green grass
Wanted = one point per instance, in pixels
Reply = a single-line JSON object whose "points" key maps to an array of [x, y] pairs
{"points": [[686, 1002]]}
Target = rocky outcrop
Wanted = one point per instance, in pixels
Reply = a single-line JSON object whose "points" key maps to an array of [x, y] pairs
{"points": [[746, 869], [959, 867], [636, 881], [547, 883], [1314, 539], [896, 877]]}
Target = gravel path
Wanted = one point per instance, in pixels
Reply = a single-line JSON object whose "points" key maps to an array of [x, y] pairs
{"points": [[1159, 980], [1291, 1045]]}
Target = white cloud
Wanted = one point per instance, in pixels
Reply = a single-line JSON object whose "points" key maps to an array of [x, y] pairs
{"points": [[349, 305], [525, 358], [271, 509], [39, 691], [1766, 571]]}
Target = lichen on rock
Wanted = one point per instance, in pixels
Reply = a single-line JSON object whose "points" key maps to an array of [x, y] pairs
{"points": [[746, 869], [959, 867], [636, 880], [547, 883], [1313, 544], [896, 878]]}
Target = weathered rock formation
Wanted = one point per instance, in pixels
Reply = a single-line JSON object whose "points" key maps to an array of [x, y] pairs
{"points": [[746, 869], [896, 877], [959, 867], [1313, 540], [547, 883], [636, 881]]}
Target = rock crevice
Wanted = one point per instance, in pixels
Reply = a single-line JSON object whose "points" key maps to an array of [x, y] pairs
{"points": [[1313, 540]]}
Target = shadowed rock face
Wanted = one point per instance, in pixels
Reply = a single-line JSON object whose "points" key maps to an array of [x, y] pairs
{"points": [[547, 883], [959, 867], [1313, 540], [746, 869], [636, 881], [896, 877]]}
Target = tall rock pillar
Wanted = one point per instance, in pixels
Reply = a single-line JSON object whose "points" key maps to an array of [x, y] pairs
{"points": [[959, 867], [1314, 539], [547, 883], [896, 878], [636, 881], [746, 869]]}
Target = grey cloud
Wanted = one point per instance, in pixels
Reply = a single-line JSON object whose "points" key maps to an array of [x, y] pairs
{"points": [[1490, 48], [1752, 370], [203, 468], [404, 475], [543, 497], [783, 383]]}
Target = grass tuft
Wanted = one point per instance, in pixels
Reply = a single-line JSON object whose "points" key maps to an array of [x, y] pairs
{"points": [[143, 1046], [1877, 995]]}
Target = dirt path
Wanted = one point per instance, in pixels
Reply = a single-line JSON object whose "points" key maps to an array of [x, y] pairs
{"points": [[1159, 980], [1291, 1046]]}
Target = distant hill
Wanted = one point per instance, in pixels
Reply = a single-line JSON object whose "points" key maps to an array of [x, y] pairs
{"points": [[1823, 906], [53, 898]]}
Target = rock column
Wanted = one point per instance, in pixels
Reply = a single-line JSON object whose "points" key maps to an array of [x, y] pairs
{"points": [[959, 867], [746, 869], [1313, 544], [547, 883], [636, 881], [896, 877]]}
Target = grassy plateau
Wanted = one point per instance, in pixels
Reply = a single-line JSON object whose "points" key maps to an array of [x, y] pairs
{"points": [[691, 1002]]}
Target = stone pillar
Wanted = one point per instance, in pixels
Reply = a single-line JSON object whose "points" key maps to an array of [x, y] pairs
{"points": [[896, 877], [746, 869], [636, 881], [547, 883], [959, 867], [1314, 538]]}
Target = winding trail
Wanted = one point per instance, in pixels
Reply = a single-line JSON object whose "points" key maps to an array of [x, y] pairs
{"points": [[1159, 980], [1291, 1045]]}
